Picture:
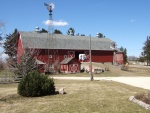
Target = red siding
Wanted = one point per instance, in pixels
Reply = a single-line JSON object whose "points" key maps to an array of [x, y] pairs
{"points": [[72, 67], [102, 56], [20, 50], [119, 58], [97, 56]]}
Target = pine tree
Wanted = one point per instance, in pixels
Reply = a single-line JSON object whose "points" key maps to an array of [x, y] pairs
{"points": [[124, 50], [125, 56], [10, 47], [57, 31], [146, 50], [10, 44]]}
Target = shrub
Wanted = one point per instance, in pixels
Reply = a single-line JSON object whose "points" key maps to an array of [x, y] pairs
{"points": [[34, 84], [143, 97], [124, 68]]}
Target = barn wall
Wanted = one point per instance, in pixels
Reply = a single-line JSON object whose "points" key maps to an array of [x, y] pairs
{"points": [[20, 50], [97, 56], [102, 56], [119, 58]]}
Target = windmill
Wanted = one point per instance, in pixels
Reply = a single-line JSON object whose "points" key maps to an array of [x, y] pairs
{"points": [[52, 52]]}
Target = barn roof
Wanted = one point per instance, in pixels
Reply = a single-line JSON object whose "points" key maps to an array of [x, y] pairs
{"points": [[67, 60], [59, 41]]}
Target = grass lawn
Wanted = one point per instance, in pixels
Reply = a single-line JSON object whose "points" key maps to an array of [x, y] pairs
{"points": [[81, 97], [114, 71]]}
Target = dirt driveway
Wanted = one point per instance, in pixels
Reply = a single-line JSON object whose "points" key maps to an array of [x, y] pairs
{"points": [[141, 82]]}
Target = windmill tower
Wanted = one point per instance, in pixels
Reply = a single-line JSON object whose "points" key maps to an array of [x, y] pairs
{"points": [[52, 52]]}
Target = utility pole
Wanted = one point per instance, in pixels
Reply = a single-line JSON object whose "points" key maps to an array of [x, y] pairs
{"points": [[90, 66]]}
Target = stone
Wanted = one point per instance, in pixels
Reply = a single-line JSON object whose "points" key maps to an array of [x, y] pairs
{"points": [[131, 98], [141, 103], [61, 91]]}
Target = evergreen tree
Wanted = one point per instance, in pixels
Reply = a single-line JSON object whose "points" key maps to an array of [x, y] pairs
{"points": [[100, 35], [124, 50], [146, 50], [10, 47], [125, 56], [57, 31], [10, 44], [82, 34], [43, 31]]}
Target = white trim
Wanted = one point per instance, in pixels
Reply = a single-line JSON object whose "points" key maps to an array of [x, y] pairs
{"points": [[50, 56]]}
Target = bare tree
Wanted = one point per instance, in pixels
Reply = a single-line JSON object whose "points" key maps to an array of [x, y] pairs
{"points": [[1, 64], [20, 65], [27, 62]]}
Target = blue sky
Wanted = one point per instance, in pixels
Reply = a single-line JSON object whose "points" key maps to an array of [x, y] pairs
{"points": [[127, 22]]}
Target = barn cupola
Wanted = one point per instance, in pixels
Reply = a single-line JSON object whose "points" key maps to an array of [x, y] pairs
{"points": [[97, 35], [71, 32], [37, 29]]}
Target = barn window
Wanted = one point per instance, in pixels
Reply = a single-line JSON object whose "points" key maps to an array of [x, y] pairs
{"points": [[65, 56], [50, 56]]}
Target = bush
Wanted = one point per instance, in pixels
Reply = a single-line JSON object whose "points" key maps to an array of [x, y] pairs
{"points": [[143, 97], [124, 68], [34, 84]]}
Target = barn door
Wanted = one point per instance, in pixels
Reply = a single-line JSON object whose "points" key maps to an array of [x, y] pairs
{"points": [[73, 68], [87, 56], [71, 54]]}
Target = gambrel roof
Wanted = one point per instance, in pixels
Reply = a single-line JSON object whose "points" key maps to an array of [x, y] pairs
{"points": [[60, 41]]}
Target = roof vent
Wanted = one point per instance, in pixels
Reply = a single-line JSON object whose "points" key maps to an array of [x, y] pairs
{"points": [[37, 29], [97, 35], [71, 32]]}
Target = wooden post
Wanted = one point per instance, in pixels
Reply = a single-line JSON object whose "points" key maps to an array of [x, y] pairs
{"points": [[90, 70]]}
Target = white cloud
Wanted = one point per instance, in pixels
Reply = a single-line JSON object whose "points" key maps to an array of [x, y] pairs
{"points": [[55, 23], [132, 21]]}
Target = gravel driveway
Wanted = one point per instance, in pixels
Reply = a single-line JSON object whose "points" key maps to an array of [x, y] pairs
{"points": [[141, 82]]}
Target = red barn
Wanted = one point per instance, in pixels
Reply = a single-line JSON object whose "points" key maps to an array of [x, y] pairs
{"points": [[70, 65], [53, 47]]}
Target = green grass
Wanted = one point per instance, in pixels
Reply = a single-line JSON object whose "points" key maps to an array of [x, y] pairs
{"points": [[81, 97]]}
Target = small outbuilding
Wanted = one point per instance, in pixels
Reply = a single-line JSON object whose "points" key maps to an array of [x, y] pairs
{"points": [[119, 58], [40, 66], [70, 65]]}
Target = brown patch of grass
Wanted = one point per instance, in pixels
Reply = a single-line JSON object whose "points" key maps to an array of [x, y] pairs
{"points": [[143, 97], [81, 97]]}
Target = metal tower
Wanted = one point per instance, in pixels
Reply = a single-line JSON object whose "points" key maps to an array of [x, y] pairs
{"points": [[51, 40]]}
